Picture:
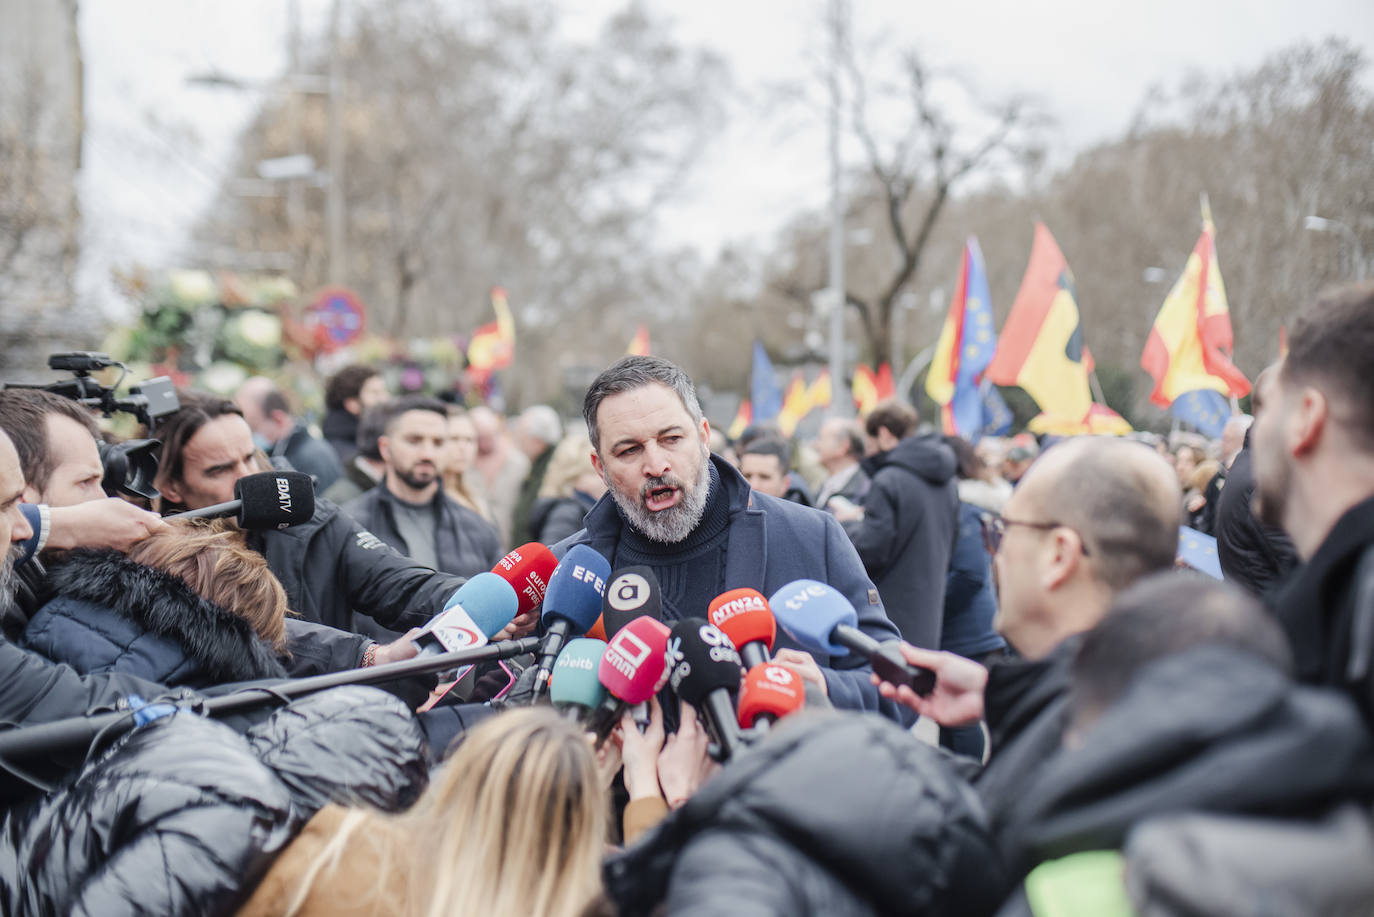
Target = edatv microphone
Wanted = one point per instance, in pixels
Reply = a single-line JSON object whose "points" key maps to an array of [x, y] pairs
{"points": [[574, 686], [527, 569], [706, 669], [633, 668], [632, 592], [744, 616], [571, 604], [475, 613], [264, 500], [770, 692], [823, 621]]}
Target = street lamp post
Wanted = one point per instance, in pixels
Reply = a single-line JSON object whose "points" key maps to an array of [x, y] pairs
{"points": [[1321, 224]]}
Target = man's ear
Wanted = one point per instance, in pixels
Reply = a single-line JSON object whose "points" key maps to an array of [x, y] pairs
{"points": [[1308, 422], [353, 406], [169, 490], [705, 432], [600, 468], [384, 448], [1063, 554]]}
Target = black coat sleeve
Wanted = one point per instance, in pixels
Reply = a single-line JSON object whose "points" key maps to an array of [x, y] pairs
{"points": [[318, 648], [393, 590]]}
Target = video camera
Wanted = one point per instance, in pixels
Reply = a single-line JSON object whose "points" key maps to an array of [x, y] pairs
{"points": [[130, 466]]}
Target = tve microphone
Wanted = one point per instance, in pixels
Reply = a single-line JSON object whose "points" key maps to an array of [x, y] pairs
{"points": [[571, 605], [633, 668], [744, 616], [475, 613], [527, 569], [631, 593], [706, 669], [823, 621], [770, 692], [574, 686], [265, 500]]}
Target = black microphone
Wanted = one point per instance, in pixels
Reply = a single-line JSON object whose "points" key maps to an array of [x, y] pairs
{"points": [[265, 500], [632, 592], [706, 669]]}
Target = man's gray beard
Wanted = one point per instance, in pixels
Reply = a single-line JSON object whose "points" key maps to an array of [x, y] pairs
{"points": [[672, 525]]}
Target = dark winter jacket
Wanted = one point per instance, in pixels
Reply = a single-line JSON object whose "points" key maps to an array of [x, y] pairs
{"points": [[832, 814], [331, 566], [340, 430], [466, 544], [554, 518], [1210, 729], [770, 543], [970, 604], [110, 614], [184, 815], [310, 455], [1327, 609], [1253, 555], [911, 520]]}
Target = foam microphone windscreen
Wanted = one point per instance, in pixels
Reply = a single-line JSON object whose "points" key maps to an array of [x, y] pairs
{"points": [[810, 611], [631, 593], [575, 589], [527, 569], [635, 659], [598, 629], [575, 679], [274, 499], [489, 600], [703, 660], [770, 689], [744, 616]]}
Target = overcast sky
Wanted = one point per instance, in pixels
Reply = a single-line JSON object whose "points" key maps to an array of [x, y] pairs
{"points": [[156, 147]]}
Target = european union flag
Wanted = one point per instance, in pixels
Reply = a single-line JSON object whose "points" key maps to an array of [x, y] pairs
{"points": [[1203, 408], [764, 391], [1199, 551], [997, 417], [976, 345]]}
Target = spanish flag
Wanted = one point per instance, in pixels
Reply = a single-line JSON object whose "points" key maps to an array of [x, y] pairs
{"points": [[1041, 346], [865, 389], [639, 344], [796, 404], [819, 393], [743, 417], [493, 345], [1189, 348], [966, 343]]}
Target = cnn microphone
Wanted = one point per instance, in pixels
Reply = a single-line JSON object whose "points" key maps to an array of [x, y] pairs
{"points": [[265, 500], [633, 668], [632, 592], [706, 668], [744, 616], [475, 613], [574, 687], [571, 604], [770, 692], [527, 569], [823, 621]]}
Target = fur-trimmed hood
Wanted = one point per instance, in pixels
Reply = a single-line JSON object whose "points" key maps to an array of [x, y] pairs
{"points": [[222, 644]]}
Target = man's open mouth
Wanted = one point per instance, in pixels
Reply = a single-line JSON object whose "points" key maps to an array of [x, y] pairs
{"points": [[660, 498]]}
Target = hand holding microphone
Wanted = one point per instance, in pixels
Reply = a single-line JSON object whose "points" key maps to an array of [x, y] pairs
{"points": [[476, 612]]}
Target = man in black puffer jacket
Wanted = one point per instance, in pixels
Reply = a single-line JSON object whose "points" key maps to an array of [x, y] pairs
{"points": [[906, 531], [786, 829]]}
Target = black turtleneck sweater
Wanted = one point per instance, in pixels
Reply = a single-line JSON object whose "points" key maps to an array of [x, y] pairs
{"points": [[691, 572]]}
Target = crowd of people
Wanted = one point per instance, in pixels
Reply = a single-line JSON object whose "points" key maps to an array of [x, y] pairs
{"points": [[879, 670]]}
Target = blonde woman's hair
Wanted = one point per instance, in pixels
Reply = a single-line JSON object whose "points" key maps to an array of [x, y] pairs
{"points": [[571, 459], [214, 560], [513, 823]]}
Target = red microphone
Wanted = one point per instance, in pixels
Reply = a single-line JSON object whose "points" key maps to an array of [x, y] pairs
{"points": [[744, 616], [635, 664], [598, 630], [527, 569], [770, 692]]}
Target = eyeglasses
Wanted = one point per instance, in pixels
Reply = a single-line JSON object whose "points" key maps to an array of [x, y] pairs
{"points": [[995, 527]]}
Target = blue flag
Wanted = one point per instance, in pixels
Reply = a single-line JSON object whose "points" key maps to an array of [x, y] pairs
{"points": [[1199, 551], [764, 391], [1205, 409], [997, 417]]}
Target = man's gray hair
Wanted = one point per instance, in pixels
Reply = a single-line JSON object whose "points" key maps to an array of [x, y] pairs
{"points": [[541, 422], [630, 373]]}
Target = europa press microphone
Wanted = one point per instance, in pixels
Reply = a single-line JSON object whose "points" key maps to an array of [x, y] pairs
{"points": [[574, 687], [265, 500], [706, 668], [823, 621], [475, 613], [633, 669], [744, 616], [769, 693], [571, 604], [527, 568]]}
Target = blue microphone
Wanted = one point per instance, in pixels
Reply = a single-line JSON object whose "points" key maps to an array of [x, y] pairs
{"points": [[823, 621], [571, 605], [476, 612]]}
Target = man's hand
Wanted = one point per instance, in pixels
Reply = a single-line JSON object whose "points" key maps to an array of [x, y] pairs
{"points": [[958, 696], [398, 650], [805, 666], [684, 765], [108, 523], [640, 752]]}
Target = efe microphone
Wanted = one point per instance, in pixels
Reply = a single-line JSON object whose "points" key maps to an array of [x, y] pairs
{"points": [[823, 621], [571, 604], [265, 500]]}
